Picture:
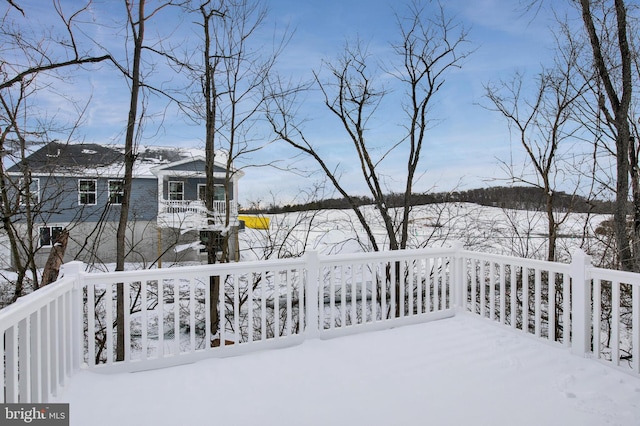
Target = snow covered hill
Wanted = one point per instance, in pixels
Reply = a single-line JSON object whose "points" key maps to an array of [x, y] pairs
{"points": [[490, 229]]}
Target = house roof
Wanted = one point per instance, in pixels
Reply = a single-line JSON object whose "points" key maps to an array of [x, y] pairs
{"points": [[107, 160]]}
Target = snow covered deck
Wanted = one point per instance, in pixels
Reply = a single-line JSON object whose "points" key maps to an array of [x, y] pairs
{"points": [[431, 336], [463, 370]]}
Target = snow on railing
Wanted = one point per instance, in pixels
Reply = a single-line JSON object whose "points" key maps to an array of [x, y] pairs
{"points": [[615, 320], [42, 341], [524, 294], [595, 312], [168, 317], [167, 313], [367, 291]]}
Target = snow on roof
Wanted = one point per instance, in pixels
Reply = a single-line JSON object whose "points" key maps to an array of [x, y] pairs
{"points": [[108, 160], [458, 371]]}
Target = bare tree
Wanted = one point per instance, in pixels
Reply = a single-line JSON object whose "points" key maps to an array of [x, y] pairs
{"points": [[606, 109], [430, 46], [232, 75], [137, 18], [614, 72], [136, 21], [30, 60], [210, 95], [544, 124]]}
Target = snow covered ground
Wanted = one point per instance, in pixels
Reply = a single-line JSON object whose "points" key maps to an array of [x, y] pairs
{"points": [[458, 371], [486, 229]]}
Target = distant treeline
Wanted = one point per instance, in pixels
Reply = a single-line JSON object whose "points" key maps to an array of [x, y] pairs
{"points": [[517, 197]]}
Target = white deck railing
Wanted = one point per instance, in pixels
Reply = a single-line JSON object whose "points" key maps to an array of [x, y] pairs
{"points": [[193, 213], [167, 312], [197, 206], [41, 335]]}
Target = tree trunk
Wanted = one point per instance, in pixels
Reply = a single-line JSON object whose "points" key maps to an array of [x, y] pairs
{"points": [[620, 105], [137, 26], [54, 261], [551, 225], [210, 96], [635, 191], [620, 212]]}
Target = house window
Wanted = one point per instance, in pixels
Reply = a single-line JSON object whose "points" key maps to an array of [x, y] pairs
{"points": [[49, 235], [218, 192], [176, 190], [87, 194], [33, 192], [116, 191]]}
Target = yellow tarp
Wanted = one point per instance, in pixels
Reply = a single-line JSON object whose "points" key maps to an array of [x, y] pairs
{"points": [[255, 222]]}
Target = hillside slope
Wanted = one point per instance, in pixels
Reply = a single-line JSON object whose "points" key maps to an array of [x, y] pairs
{"points": [[483, 228]]}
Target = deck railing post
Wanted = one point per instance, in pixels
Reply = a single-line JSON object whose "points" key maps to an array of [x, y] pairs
{"points": [[311, 295], [457, 275], [73, 270], [580, 303]]}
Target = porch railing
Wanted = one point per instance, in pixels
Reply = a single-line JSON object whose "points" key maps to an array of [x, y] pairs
{"points": [[193, 213], [168, 313], [196, 206]]}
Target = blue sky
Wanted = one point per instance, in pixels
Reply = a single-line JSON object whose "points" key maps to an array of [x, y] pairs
{"points": [[461, 151]]}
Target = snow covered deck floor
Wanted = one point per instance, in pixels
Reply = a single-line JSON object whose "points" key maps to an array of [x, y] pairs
{"points": [[458, 371]]}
